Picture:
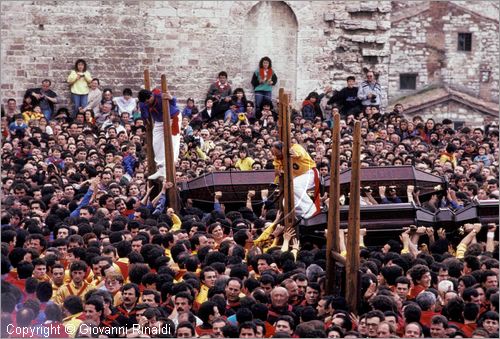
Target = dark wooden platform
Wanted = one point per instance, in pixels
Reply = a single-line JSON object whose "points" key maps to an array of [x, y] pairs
{"points": [[235, 184], [382, 221], [387, 221]]}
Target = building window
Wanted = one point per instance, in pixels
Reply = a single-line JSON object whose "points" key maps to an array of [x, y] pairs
{"points": [[407, 81], [485, 76], [465, 42]]}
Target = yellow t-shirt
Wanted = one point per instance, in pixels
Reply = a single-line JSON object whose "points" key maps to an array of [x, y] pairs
{"points": [[80, 86], [300, 164], [245, 164]]}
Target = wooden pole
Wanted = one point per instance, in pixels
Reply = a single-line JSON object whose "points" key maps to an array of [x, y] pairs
{"points": [[352, 260], [149, 130], [169, 151], [288, 175], [281, 125], [281, 94], [332, 239], [287, 181]]}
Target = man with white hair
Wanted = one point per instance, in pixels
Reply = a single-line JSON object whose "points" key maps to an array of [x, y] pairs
{"points": [[370, 91], [427, 302], [279, 305]]}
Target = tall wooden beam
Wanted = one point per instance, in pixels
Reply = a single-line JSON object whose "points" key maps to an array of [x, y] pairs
{"points": [[352, 262], [284, 118], [149, 130], [281, 94], [288, 178], [281, 183], [169, 150], [332, 239]]}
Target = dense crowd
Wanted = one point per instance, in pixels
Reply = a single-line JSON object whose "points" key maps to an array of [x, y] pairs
{"points": [[90, 248]]}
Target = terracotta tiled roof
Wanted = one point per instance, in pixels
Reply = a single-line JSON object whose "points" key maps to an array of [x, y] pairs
{"points": [[419, 8], [433, 96]]}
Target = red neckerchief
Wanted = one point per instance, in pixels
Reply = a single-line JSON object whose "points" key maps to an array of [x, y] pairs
{"points": [[269, 74], [108, 321], [124, 311], [84, 286], [221, 87], [232, 304], [152, 107]]}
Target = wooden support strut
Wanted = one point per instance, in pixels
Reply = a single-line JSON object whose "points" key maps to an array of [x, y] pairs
{"points": [[352, 260], [289, 207], [169, 151], [280, 182], [149, 131], [333, 234]]}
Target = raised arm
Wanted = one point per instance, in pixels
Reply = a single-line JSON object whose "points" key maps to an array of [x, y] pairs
{"points": [[217, 204], [342, 246], [490, 237], [468, 239], [250, 195], [144, 200], [287, 236], [87, 198]]}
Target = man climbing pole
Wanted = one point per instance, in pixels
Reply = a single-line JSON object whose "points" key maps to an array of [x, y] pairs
{"points": [[150, 104], [305, 176]]}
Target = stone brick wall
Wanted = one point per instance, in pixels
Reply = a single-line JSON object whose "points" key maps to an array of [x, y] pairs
{"points": [[425, 43], [313, 43]]}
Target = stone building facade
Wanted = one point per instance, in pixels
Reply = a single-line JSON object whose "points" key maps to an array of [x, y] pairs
{"points": [[444, 57], [311, 43], [425, 42]]}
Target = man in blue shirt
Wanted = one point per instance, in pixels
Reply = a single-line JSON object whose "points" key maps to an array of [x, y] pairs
{"points": [[150, 104]]}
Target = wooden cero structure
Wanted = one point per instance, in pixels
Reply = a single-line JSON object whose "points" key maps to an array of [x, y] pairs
{"points": [[333, 257], [286, 179], [169, 149], [352, 260]]}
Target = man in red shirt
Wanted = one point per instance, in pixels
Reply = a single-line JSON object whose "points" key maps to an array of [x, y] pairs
{"points": [[421, 277]]}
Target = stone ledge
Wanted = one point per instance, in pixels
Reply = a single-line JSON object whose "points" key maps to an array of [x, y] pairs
{"points": [[374, 52], [385, 7], [328, 17], [361, 7], [359, 24], [355, 38], [368, 6], [384, 25]]}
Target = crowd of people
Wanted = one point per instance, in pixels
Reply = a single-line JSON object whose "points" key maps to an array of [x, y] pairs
{"points": [[91, 249]]}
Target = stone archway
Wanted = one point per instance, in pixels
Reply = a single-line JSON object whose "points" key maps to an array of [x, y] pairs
{"points": [[270, 29]]}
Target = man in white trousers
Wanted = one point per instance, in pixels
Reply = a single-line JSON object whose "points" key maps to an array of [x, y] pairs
{"points": [[150, 104], [305, 176]]}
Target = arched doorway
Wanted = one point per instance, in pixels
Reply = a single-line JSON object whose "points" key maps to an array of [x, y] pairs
{"points": [[270, 29]]}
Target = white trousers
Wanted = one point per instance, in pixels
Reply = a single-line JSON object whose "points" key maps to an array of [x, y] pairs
{"points": [[304, 205], [159, 144]]}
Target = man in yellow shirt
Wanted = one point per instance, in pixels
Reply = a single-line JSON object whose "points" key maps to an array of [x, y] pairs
{"points": [[77, 286], [208, 276], [73, 314], [305, 176], [40, 270], [57, 279]]}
